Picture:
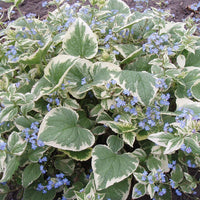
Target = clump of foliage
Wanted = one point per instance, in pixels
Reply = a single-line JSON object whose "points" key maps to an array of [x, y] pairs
{"points": [[99, 102]]}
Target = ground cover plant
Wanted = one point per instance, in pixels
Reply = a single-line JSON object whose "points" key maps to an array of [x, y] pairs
{"points": [[99, 101]]}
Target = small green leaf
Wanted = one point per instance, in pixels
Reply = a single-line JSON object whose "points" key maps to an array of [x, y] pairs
{"points": [[132, 56], [177, 174], [80, 40], [8, 113], [59, 129], [118, 190], [65, 165], [118, 5], [2, 159], [190, 142], [57, 69], [187, 103], [181, 61], [161, 138], [70, 193], [35, 155], [115, 143], [80, 155], [173, 145], [30, 174], [140, 154], [139, 190], [129, 138], [32, 194], [188, 177], [10, 169], [150, 190], [195, 90], [115, 169], [153, 163], [16, 144]]}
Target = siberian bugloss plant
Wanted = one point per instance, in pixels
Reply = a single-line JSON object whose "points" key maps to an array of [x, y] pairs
{"points": [[99, 102]]}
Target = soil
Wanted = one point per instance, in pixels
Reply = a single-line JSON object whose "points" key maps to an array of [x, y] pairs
{"points": [[180, 9], [177, 7]]}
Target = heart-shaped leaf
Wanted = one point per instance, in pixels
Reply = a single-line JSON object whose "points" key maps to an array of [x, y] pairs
{"points": [[141, 84], [110, 168], [60, 129], [80, 40]]}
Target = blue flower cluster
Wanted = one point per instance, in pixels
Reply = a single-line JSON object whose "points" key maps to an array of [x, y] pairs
{"points": [[184, 116], [159, 176], [166, 128], [172, 165], [31, 135], [57, 182], [42, 160], [152, 114], [195, 6], [127, 104], [52, 100], [160, 83], [189, 163], [164, 99], [186, 149], [157, 43], [12, 54]]}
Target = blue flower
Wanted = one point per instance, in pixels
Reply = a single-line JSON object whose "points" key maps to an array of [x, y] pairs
{"points": [[113, 82], [178, 192], [150, 179], [134, 101], [188, 150], [57, 101], [160, 83], [48, 107], [162, 192], [116, 119], [40, 187], [2, 145], [138, 192], [172, 183], [156, 189], [40, 143], [42, 169], [83, 81], [164, 99], [133, 111], [183, 147], [112, 107], [126, 92], [44, 4], [66, 181]]}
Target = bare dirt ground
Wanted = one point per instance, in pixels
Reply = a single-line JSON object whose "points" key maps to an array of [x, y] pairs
{"points": [[178, 7]]}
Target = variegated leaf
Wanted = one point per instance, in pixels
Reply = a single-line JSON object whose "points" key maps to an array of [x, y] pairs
{"points": [[115, 143], [115, 167], [173, 145], [140, 84], [80, 41], [16, 144], [59, 129], [161, 138]]}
